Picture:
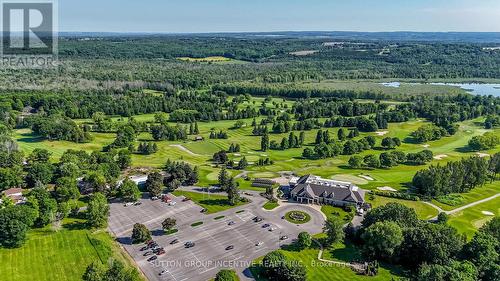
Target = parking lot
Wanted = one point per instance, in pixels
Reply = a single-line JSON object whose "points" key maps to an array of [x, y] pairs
{"points": [[201, 262]]}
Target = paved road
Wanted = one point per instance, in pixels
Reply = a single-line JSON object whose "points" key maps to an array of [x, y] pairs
{"points": [[209, 255], [461, 208]]}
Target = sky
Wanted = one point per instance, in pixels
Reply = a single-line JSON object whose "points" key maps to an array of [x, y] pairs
{"points": [[193, 16]]}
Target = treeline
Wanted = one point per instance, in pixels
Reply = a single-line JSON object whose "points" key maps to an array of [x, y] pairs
{"points": [[456, 177]]}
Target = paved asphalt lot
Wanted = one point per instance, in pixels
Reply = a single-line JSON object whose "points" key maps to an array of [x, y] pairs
{"points": [[209, 255]]}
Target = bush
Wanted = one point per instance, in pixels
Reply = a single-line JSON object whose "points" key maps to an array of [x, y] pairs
{"points": [[397, 195]]}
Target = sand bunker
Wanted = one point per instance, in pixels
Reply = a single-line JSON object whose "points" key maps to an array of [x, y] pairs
{"points": [[386, 188], [425, 145], [382, 133], [440, 156], [488, 213], [482, 155], [237, 154], [366, 177]]}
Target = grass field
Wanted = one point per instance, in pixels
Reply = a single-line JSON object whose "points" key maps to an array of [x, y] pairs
{"points": [[270, 205], [476, 194], [200, 153], [57, 255], [423, 210], [213, 203], [213, 59], [469, 220]]}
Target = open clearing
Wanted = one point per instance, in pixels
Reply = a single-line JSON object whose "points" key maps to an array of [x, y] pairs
{"points": [[57, 255]]}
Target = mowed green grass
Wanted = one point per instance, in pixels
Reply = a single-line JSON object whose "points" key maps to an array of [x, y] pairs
{"points": [[200, 153], [423, 210], [469, 220], [213, 203], [476, 194], [319, 271], [57, 255]]}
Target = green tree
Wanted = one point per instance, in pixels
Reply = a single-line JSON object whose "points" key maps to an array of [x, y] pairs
{"points": [[334, 228], [124, 159], [154, 184], [98, 210], [94, 272], [264, 143], [223, 178], [394, 212], [140, 233], [463, 271], [371, 161], [233, 194], [304, 240], [356, 162], [39, 174], [341, 134], [66, 189], [226, 275], [381, 240], [128, 191], [168, 224]]}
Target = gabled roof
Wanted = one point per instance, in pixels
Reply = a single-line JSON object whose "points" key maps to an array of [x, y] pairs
{"points": [[310, 186]]}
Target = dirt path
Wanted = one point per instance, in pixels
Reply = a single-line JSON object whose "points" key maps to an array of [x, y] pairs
{"points": [[463, 207]]}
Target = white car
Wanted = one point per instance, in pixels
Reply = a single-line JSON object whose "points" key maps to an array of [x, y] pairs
{"points": [[272, 228], [259, 244], [128, 204], [172, 203]]}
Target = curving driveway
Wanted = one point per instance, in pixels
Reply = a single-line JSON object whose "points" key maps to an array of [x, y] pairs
{"points": [[209, 255]]}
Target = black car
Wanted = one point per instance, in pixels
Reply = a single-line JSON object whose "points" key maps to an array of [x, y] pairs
{"points": [[189, 244], [229, 247], [175, 241], [153, 258], [144, 248]]}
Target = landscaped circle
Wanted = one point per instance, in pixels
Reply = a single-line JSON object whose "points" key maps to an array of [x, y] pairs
{"points": [[297, 217]]}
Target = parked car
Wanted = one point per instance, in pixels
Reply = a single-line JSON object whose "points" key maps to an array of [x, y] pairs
{"points": [[230, 247], [258, 219], [144, 248], [259, 244], [189, 244], [128, 204], [163, 272], [284, 237], [154, 198], [175, 241], [160, 252], [153, 258], [137, 203], [266, 225], [172, 203], [186, 199], [157, 250], [203, 210], [272, 229], [231, 223], [148, 253]]}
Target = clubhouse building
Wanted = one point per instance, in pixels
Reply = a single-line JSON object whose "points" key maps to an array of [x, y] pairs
{"points": [[312, 189]]}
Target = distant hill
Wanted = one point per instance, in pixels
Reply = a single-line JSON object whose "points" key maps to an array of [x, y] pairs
{"points": [[470, 37]]}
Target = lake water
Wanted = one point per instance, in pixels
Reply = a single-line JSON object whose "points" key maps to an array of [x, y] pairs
{"points": [[473, 88]]}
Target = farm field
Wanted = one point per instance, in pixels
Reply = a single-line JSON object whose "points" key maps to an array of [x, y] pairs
{"points": [[53, 255]]}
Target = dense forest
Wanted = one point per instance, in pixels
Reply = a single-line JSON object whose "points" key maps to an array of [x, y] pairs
{"points": [[136, 61]]}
